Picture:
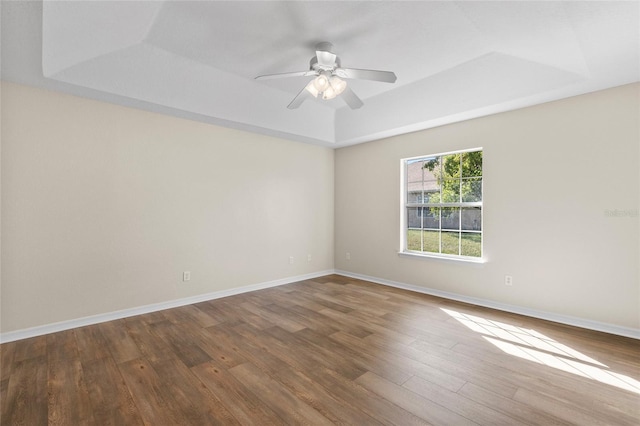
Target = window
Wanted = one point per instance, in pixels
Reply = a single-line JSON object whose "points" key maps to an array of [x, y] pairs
{"points": [[443, 205]]}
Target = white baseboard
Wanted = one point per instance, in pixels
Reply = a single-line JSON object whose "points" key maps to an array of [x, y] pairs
{"points": [[125, 313], [549, 316], [96, 319]]}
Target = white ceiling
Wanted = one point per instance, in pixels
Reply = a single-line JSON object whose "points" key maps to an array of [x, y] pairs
{"points": [[198, 59]]}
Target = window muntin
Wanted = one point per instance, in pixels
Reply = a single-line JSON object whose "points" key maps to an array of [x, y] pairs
{"points": [[443, 204]]}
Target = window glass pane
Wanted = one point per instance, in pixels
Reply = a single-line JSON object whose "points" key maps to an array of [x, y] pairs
{"points": [[414, 217], [431, 217], [431, 241], [451, 191], [472, 219], [450, 242], [415, 196], [451, 166], [472, 189], [414, 181], [471, 244], [432, 168], [472, 164], [431, 185], [414, 171], [432, 197], [413, 239], [450, 218]]}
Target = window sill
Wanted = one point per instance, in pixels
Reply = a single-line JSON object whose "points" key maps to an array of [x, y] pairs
{"points": [[475, 260]]}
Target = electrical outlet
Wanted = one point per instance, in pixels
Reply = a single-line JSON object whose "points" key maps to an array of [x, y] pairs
{"points": [[308, 258], [348, 256], [186, 276], [508, 280], [290, 260]]}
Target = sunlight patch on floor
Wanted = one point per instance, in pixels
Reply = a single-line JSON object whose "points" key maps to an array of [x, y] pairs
{"points": [[533, 346]]}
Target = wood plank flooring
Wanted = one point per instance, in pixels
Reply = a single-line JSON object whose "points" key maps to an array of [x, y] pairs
{"points": [[332, 350]]}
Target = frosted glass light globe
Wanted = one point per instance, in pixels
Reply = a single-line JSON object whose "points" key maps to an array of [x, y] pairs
{"points": [[321, 83], [337, 84]]}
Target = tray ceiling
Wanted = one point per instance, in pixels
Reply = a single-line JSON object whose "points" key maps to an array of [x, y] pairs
{"points": [[198, 60]]}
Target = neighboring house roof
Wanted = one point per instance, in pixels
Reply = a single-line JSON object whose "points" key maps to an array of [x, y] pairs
{"points": [[420, 179]]}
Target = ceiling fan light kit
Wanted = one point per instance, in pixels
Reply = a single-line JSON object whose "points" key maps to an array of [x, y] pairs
{"points": [[326, 86], [329, 78]]}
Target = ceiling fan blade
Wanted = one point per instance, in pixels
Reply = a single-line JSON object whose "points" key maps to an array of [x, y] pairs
{"points": [[375, 75], [300, 98], [351, 98], [285, 75]]}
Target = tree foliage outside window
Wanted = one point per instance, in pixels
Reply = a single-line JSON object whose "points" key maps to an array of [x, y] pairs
{"points": [[444, 204]]}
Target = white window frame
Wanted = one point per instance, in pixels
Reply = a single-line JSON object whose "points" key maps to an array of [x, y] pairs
{"points": [[404, 205]]}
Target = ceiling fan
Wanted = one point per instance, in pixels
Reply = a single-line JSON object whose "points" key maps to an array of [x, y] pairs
{"points": [[328, 82]]}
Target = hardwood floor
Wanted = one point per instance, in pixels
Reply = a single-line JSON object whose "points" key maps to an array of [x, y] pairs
{"points": [[332, 350]]}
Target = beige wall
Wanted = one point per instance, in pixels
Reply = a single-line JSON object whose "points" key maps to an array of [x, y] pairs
{"points": [[104, 207], [551, 172]]}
